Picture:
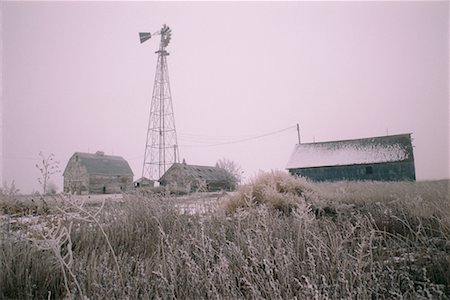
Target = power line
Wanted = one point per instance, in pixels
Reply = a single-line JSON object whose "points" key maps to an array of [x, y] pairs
{"points": [[241, 140], [244, 139], [215, 137]]}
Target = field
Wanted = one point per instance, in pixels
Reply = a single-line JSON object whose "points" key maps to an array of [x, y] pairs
{"points": [[278, 237]]}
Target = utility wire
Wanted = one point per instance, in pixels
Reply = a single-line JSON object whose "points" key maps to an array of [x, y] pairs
{"points": [[241, 140], [213, 137], [244, 139]]}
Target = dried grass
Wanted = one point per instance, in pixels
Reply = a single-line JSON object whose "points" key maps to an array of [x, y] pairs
{"points": [[277, 190], [269, 242]]}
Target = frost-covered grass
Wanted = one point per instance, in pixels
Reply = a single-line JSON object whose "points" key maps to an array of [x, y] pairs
{"points": [[278, 237]]}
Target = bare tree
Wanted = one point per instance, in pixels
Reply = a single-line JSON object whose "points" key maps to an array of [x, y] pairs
{"points": [[48, 167], [233, 169]]}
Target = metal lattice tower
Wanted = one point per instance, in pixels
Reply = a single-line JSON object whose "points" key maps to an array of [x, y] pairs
{"points": [[161, 147]]}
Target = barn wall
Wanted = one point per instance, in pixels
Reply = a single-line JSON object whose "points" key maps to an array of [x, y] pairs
{"points": [[394, 171], [180, 178], [218, 185], [76, 178], [193, 184], [103, 184], [176, 177]]}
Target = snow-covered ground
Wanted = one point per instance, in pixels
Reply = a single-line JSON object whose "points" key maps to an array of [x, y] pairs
{"points": [[30, 224]]}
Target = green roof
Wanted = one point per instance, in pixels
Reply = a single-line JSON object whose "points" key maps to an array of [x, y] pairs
{"points": [[203, 172], [100, 164]]}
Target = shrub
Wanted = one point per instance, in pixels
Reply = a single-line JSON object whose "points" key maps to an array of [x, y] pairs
{"points": [[277, 190]]}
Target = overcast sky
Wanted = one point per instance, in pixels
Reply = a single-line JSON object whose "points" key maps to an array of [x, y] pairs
{"points": [[76, 78]]}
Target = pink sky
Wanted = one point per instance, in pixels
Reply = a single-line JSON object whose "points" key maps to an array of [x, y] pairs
{"points": [[75, 78]]}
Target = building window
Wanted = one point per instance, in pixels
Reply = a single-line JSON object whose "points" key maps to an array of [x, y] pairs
{"points": [[369, 170]]}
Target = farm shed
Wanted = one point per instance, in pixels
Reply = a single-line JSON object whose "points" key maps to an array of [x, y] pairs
{"points": [[194, 178], [144, 182], [386, 158], [97, 173]]}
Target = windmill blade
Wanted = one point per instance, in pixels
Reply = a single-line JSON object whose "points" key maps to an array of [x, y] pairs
{"points": [[143, 36]]}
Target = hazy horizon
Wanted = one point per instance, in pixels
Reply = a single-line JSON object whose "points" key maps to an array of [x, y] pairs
{"points": [[76, 79]]}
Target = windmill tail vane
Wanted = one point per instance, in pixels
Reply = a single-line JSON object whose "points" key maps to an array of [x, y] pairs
{"points": [[165, 32]]}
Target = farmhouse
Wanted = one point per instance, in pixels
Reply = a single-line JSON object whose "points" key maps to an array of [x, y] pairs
{"points": [[97, 173], [193, 178], [386, 158]]}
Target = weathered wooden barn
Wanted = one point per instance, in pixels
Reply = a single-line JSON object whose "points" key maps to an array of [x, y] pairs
{"points": [[386, 158], [97, 173], [194, 178]]}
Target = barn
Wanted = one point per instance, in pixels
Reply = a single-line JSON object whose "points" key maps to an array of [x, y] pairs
{"points": [[88, 173], [193, 178], [385, 158]]}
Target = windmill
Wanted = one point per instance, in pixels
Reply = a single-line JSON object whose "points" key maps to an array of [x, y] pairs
{"points": [[161, 147]]}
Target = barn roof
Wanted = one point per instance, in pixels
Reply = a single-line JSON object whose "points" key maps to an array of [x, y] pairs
{"points": [[101, 164], [203, 172], [349, 152]]}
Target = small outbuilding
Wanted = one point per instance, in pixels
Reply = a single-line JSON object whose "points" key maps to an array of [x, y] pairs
{"points": [[97, 173], [386, 158], [197, 178], [144, 182]]}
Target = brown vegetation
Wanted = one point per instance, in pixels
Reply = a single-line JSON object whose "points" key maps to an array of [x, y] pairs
{"points": [[278, 237]]}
